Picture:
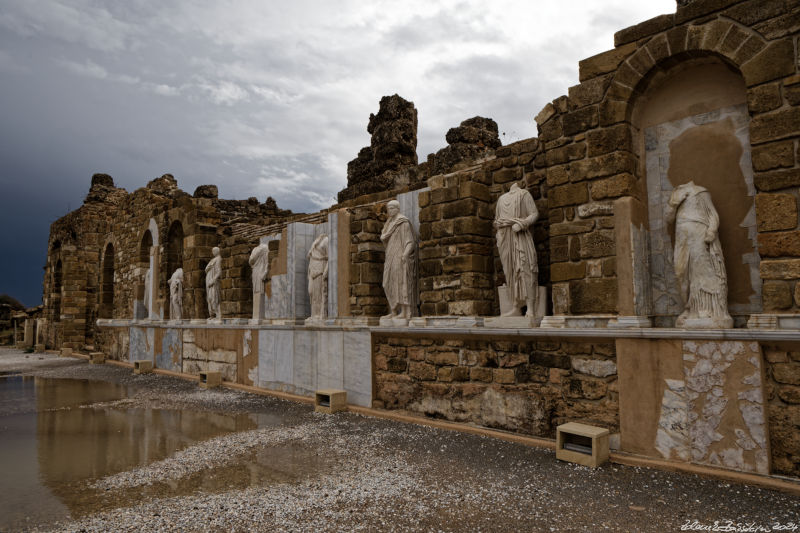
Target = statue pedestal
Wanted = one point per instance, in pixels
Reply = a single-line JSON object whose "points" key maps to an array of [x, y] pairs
{"points": [[624, 322], [511, 322], [705, 323], [558, 321], [393, 322]]}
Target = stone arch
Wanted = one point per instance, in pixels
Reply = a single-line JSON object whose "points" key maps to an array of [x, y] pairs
{"points": [[145, 243], [685, 94], [107, 272]]}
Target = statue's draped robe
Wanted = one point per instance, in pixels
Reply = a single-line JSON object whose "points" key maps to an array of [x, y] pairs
{"points": [[176, 295], [318, 278], [259, 264], [399, 273], [699, 266], [213, 272], [517, 250]]}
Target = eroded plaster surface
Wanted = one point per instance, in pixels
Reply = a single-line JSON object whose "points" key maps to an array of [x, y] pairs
{"points": [[716, 415]]}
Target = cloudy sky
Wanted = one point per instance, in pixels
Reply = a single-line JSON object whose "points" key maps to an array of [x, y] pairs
{"points": [[261, 98]]}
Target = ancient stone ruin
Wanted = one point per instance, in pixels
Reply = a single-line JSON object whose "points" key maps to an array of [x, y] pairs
{"points": [[636, 266]]}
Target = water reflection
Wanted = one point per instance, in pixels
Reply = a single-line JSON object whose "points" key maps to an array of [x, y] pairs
{"points": [[54, 437]]}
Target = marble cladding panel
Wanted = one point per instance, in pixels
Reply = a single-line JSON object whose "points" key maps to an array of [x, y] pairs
{"points": [[142, 345], [300, 237], [168, 354], [409, 206], [666, 299], [304, 360], [357, 367], [716, 414], [333, 264]]}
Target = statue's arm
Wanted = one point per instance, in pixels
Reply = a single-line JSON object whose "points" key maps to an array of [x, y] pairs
{"points": [[530, 207], [713, 217]]}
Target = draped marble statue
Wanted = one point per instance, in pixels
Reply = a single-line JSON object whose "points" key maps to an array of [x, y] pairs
{"points": [[259, 264], [515, 214], [698, 261], [400, 266], [148, 280], [318, 277], [176, 295], [213, 273]]}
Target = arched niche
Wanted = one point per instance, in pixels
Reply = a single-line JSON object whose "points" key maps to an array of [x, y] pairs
{"points": [[107, 283], [691, 123], [174, 248], [144, 248]]}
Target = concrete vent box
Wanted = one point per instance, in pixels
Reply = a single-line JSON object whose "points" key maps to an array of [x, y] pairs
{"points": [[582, 444], [97, 358], [142, 367], [209, 380], [330, 401]]}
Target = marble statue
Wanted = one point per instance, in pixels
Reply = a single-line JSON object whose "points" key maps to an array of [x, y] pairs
{"points": [[259, 263], [698, 261], [148, 281], [318, 276], [176, 295], [515, 214], [400, 266], [213, 273]]}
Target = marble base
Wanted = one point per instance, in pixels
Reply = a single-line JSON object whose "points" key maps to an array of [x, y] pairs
{"points": [[446, 322], [198, 321], [706, 323], [315, 321], [630, 322], [214, 321], [511, 322], [557, 321], [774, 321], [393, 322]]}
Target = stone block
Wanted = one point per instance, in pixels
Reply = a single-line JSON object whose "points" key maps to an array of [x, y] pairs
{"points": [[504, 376], [581, 120], [545, 114], [97, 358], [616, 162], [567, 271], [777, 179], [787, 373], [641, 61], [209, 379], [620, 185], [773, 155], [776, 125], [329, 401], [588, 92], [599, 243], [592, 296], [422, 371], [603, 141], [644, 29], [776, 212], [788, 269], [143, 366], [613, 112], [775, 61], [482, 374], [604, 62], [751, 46], [565, 154], [776, 295], [582, 444], [506, 175], [550, 130], [764, 98], [571, 194]]}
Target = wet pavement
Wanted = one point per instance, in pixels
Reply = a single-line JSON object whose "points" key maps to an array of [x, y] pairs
{"points": [[97, 448]]}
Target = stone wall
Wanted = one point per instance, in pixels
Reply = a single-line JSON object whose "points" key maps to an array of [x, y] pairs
{"points": [[782, 372], [529, 387]]}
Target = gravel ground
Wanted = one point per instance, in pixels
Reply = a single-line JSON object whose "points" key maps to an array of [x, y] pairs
{"points": [[347, 472]]}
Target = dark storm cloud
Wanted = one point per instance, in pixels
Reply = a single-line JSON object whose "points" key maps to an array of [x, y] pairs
{"points": [[260, 98]]}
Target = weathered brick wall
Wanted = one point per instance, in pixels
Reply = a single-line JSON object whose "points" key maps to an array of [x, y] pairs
{"points": [[366, 260], [782, 373], [529, 387], [590, 153], [236, 280], [456, 245]]}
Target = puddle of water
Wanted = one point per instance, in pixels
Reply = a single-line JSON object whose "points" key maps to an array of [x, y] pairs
{"points": [[61, 440]]}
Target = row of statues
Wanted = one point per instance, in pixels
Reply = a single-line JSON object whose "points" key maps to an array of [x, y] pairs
{"points": [[698, 262]]}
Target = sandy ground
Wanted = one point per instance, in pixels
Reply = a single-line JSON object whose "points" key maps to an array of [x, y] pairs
{"points": [[310, 472]]}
